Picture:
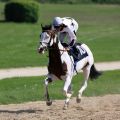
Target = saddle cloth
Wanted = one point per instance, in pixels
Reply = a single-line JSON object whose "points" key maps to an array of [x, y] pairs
{"points": [[79, 53]]}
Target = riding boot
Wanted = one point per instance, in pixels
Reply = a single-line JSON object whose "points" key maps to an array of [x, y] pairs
{"points": [[76, 52]]}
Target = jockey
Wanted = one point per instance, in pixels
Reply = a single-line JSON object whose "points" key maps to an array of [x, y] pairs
{"points": [[66, 28]]}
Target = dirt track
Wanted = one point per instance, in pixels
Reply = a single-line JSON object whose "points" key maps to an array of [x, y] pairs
{"points": [[91, 108], [38, 71]]}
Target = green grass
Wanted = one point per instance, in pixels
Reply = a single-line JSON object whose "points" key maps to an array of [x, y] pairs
{"points": [[17, 90], [99, 27]]}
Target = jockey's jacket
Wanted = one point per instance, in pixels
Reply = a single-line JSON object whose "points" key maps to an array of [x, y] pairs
{"points": [[71, 29]]}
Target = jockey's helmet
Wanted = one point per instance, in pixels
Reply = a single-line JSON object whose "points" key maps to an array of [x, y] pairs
{"points": [[57, 21]]}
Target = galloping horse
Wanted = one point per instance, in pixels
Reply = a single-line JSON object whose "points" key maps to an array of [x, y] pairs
{"points": [[62, 66]]}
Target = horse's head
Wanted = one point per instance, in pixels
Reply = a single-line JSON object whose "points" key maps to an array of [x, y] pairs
{"points": [[46, 38]]}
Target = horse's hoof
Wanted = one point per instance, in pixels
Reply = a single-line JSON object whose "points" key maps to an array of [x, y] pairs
{"points": [[78, 100], [66, 106], [49, 103]]}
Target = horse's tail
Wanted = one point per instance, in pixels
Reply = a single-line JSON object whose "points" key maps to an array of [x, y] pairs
{"points": [[94, 74]]}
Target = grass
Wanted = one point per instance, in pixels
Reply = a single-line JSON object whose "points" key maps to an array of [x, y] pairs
{"points": [[99, 27], [24, 89]]}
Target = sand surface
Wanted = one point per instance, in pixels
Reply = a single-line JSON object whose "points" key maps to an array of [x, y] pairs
{"points": [[91, 108]]}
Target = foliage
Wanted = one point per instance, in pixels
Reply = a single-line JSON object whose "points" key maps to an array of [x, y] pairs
{"points": [[107, 1], [4, 0], [19, 11], [76, 1], [81, 1]]}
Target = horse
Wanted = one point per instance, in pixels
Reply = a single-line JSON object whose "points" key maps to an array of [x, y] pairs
{"points": [[62, 65]]}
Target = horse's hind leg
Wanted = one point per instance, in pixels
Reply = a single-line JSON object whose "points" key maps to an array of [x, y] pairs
{"points": [[86, 72]]}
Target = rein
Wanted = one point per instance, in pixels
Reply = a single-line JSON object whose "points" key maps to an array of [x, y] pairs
{"points": [[64, 50]]}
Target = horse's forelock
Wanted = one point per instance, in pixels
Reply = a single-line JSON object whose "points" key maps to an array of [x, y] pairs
{"points": [[46, 27]]}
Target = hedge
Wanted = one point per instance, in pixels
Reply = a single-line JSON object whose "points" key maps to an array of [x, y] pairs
{"points": [[21, 11], [81, 1], [76, 1]]}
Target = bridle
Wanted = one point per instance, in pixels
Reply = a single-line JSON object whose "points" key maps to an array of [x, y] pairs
{"points": [[52, 34]]}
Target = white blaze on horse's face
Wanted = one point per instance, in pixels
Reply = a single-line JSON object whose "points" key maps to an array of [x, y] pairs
{"points": [[45, 37], [44, 40]]}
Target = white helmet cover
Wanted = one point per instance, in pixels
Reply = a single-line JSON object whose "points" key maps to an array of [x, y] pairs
{"points": [[57, 21]]}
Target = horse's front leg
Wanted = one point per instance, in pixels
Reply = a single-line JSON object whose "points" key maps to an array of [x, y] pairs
{"points": [[67, 91], [47, 97]]}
